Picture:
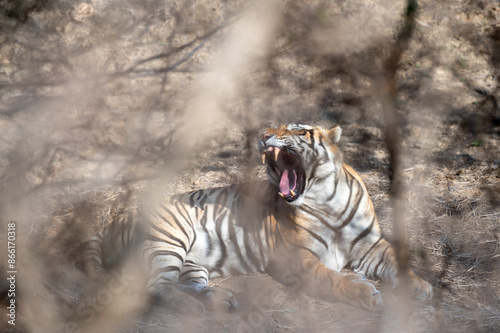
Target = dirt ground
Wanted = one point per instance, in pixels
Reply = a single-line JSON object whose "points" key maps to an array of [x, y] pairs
{"points": [[105, 104]]}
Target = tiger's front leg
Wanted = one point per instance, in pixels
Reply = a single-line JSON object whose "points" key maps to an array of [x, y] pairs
{"points": [[305, 272], [194, 279], [185, 290]]}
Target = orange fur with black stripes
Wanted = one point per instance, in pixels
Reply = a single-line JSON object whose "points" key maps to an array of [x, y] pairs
{"points": [[309, 220]]}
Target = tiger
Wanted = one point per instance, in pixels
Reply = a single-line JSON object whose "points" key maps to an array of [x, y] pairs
{"points": [[308, 221]]}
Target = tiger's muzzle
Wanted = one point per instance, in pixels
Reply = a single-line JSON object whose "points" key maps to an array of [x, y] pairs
{"points": [[284, 167]]}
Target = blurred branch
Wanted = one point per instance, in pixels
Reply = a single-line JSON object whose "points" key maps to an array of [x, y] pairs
{"points": [[393, 138]]}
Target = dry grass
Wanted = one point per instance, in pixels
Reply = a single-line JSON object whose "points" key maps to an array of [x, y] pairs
{"points": [[99, 114]]}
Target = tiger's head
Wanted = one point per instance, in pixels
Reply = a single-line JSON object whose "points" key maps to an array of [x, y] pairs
{"points": [[298, 157]]}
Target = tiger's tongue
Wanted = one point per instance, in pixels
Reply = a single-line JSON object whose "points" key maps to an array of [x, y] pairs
{"points": [[288, 181]]}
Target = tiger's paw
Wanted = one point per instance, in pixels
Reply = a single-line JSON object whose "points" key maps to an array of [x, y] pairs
{"points": [[178, 301], [422, 289], [361, 293], [187, 306], [218, 299]]}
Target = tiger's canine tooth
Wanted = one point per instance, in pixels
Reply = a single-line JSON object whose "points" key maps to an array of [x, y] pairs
{"points": [[281, 194], [292, 192], [263, 158], [276, 153]]}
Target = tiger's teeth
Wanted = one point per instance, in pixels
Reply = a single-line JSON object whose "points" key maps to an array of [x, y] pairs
{"points": [[276, 153], [263, 158], [281, 194], [292, 192]]}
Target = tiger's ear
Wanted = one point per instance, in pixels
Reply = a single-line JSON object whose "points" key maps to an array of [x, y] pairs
{"points": [[334, 134]]}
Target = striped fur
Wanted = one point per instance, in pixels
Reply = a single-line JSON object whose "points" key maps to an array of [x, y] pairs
{"points": [[312, 218]]}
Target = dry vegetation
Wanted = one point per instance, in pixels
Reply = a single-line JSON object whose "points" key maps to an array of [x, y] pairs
{"points": [[105, 103]]}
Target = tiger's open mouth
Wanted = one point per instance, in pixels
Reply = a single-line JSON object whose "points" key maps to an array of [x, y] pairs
{"points": [[287, 167]]}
